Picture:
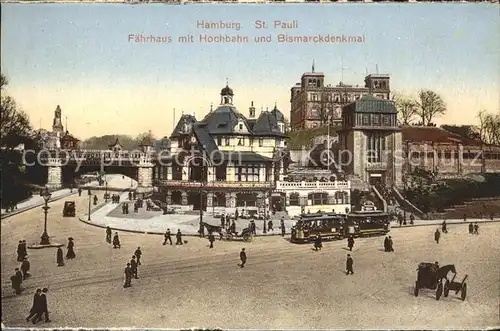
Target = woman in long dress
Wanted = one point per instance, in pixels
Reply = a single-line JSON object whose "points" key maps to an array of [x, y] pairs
{"points": [[71, 253], [60, 259]]}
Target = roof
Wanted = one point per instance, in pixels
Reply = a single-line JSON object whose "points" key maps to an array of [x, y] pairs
{"points": [[185, 119], [223, 120], [116, 143], [227, 91], [277, 114], [68, 136], [371, 104], [240, 157], [421, 134], [267, 123], [204, 138]]}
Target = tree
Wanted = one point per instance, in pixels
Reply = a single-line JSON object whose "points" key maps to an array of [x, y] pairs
{"points": [[407, 109], [145, 136], [15, 127], [489, 127], [429, 105], [466, 131]]}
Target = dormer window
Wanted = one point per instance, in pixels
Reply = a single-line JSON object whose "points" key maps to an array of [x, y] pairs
{"points": [[261, 142], [241, 126], [240, 142]]}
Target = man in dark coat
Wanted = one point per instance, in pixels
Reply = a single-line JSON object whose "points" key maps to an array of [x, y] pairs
{"points": [[476, 228], [36, 304], [222, 221], [108, 234], [391, 248], [318, 243], [471, 228], [79, 191], [243, 257], [70, 254], [232, 228], [349, 264], [17, 280], [211, 239], [178, 236], [437, 235], [128, 276], [444, 227], [167, 237], [350, 242], [253, 228], [138, 254], [59, 257], [386, 244], [116, 241], [42, 308], [412, 219], [270, 226], [95, 200], [20, 251], [133, 267], [283, 228], [25, 267]]}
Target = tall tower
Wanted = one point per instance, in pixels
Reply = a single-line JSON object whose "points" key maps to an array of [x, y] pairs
{"points": [[379, 85], [251, 111], [57, 122], [226, 96]]}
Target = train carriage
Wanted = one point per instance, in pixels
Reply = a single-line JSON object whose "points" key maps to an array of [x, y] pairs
{"points": [[329, 226]]}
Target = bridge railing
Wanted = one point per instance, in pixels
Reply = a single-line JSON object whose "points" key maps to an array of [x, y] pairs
{"points": [[94, 155]]}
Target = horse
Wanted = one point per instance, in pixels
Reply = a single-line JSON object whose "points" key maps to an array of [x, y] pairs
{"points": [[442, 272], [213, 228]]}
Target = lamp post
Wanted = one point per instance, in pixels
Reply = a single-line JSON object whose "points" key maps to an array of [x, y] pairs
{"points": [[106, 191], [45, 239], [90, 198]]}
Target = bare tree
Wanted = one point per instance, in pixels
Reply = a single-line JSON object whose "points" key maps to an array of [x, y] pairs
{"points": [[429, 105], [489, 127], [407, 109]]}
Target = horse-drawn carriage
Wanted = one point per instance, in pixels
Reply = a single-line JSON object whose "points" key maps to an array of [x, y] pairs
{"points": [[245, 235], [430, 276], [69, 209]]}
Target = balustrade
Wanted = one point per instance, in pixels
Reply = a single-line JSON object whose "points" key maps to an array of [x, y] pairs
{"points": [[313, 185], [213, 184]]}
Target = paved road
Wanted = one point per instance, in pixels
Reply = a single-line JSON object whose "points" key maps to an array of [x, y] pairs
{"points": [[282, 286]]}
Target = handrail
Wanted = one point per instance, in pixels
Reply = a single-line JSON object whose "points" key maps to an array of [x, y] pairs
{"points": [[381, 198], [403, 201]]}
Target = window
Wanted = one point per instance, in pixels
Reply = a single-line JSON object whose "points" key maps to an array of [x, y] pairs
{"points": [[294, 199], [241, 126], [366, 119], [251, 141], [387, 120], [219, 141], [314, 97], [228, 141], [318, 198], [247, 173], [376, 144], [376, 119], [240, 142], [261, 142]]}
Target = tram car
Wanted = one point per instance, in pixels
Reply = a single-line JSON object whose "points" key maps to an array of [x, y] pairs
{"points": [[367, 222], [329, 226]]}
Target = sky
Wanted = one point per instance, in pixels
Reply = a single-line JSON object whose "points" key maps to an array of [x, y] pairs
{"points": [[81, 57]]}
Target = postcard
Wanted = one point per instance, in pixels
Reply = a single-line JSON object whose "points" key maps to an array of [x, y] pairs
{"points": [[250, 166]]}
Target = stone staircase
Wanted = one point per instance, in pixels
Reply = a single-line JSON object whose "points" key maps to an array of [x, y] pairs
{"points": [[476, 208]]}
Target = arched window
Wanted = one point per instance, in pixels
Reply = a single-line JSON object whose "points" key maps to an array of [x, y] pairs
{"points": [[318, 198]]}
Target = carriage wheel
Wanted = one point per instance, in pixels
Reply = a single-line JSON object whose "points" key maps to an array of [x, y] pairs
{"points": [[464, 292], [439, 291], [247, 238], [446, 288], [415, 291]]}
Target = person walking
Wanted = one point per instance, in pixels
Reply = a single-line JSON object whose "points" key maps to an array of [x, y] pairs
{"points": [[350, 242], [476, 228], [391, 247], [138, 254], [270, 226], [471, 228], [443, 227], [243, 258], [42, 308], [71, 249], [168, 237], [16, 281], [437, 235], [128, 276], [20, 251], [318, 242], [108, 235], [116, 241], [133, 267], [59, 257], [349, 265], [282, 225], [36, 303], [25, 267], [211, 239], [386, 244], [178, 236]]}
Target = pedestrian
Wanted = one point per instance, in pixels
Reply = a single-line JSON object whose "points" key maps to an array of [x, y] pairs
{"points": [[167, 237], [25, 267], [36, 304], [108, 235], [222, 221], [476, 228], [412, 219], [24, 250], [128, 276], [70, 254], [283, 229], [133, 267], [16, 280], [179, 237], [318, 243], [400, 218], [350, 242], [79, 191], [253, 227], [349, 264], [465, 217], [471, 228], [232, 228], [391, 247], [386, 244], [443, 227], [243, 257], [59, 257], [20, 255], [42, 308], [437, 235], [138, 254], [270, 226], [211, 239], [116, 241], [95, 200]]}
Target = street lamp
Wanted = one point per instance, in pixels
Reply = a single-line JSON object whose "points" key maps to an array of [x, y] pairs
{"points": [[90, 198], [106, 191], [45, 239]]}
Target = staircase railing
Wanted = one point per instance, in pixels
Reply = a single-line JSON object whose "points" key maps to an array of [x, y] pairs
{"points": [[404, 203], [380, 197]]}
